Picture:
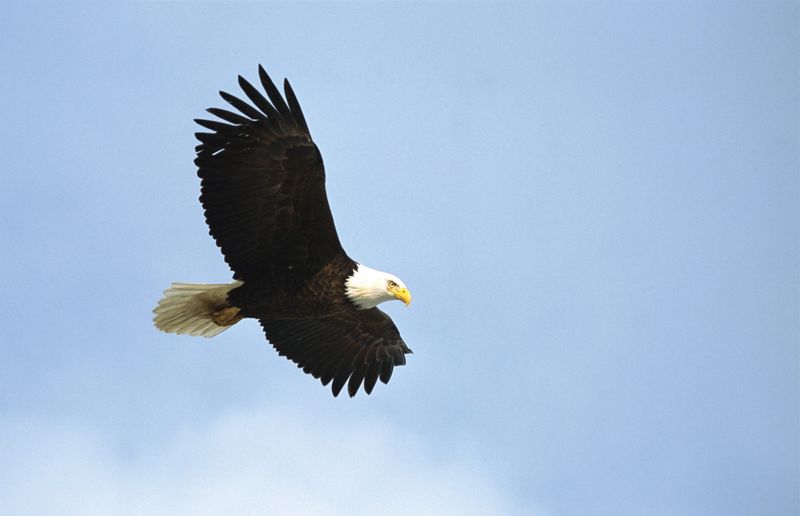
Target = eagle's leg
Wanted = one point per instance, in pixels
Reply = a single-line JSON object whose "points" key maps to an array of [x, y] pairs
{"points": [[227, 316]]}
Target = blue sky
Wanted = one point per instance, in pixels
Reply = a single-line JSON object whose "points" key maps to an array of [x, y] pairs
{"points": [[594, 204]]}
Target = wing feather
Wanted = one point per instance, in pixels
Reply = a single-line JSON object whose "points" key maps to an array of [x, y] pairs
{"points": [[229, 116], [273, 93], [387, 366], [294, 105], [372, 370], [263, 186], [352, 347], [257, 98], [245, 108], [214, 125], [343, 371], [359, 371]]}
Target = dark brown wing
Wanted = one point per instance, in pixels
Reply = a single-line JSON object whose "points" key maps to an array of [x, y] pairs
{"points": [[350, 347], [263, 186]]}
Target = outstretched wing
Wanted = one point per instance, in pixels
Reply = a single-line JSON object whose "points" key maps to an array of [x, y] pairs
{"points": [[263, 185], [350, 347]]}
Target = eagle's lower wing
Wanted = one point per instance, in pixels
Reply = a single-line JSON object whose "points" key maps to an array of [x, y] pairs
{"points": [[350, 347], [263, 186]]}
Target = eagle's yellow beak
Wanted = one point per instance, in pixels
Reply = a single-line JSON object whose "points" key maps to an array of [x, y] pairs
{"points": [[403, 295]]}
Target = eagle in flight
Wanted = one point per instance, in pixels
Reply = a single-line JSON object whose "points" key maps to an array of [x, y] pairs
{"points": [[263, 194]]}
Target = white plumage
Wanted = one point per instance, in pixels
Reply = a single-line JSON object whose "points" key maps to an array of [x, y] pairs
{"points": [[367, 288], [188, 308]]}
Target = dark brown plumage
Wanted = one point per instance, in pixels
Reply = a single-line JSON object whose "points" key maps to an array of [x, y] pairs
{"points": [[263, 192]]}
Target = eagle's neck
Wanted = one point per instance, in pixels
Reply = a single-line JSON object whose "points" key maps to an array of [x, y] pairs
{"points": [[366, 287]]}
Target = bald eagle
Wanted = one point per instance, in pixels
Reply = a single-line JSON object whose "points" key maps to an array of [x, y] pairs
{"points": [[263, 194]]}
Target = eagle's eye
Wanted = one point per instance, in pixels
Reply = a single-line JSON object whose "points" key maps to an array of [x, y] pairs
{"points": [[391, 284]]}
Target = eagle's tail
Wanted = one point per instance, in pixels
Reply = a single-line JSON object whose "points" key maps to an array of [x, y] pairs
{"points": [[196, 309]]}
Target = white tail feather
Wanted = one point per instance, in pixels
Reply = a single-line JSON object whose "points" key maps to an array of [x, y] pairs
{"points": [[188, 308]]}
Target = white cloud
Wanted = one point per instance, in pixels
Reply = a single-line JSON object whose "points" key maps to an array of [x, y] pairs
{"points": [[256, 462]]}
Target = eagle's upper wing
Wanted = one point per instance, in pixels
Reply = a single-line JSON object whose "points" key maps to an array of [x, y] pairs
{"points": [[263, 185], [359, 345]]}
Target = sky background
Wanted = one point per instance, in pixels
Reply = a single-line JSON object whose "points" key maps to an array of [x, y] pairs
{"points": [[594, 204]]}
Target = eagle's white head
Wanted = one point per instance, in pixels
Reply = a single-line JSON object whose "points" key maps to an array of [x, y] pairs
{"points": [[367, 288]]}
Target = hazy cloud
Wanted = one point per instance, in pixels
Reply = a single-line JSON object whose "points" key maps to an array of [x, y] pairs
{"points": [[258, 462]]}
